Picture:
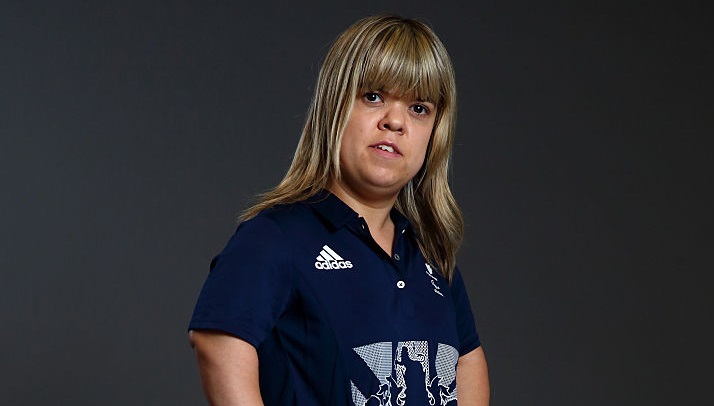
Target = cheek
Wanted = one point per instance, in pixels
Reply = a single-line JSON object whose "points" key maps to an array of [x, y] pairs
{"points": [[346, 146], [424, 141], [422, 147], [349, 154], [420, 157]]}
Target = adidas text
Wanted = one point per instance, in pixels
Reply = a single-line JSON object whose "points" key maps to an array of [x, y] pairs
{"points": [[333, 265]]}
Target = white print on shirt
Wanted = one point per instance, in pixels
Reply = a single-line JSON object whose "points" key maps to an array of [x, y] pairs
{"points": [[430, 272], [329, 259], [390, 364]]}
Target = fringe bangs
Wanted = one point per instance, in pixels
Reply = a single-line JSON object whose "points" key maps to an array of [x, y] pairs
{"points": [[402, 60]]}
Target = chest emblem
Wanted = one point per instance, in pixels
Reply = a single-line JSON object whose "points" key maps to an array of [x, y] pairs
{"points": [[329, 259], [392, 363], [430, 273]]}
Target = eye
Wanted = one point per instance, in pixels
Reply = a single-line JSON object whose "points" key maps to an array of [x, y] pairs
{"points": [[420, 109], [372, 97]]}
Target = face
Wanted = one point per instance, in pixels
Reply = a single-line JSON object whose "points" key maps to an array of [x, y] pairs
{"points": [[384, 144]]}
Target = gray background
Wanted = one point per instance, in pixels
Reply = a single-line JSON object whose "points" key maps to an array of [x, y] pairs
{"points": [[133, 133]]}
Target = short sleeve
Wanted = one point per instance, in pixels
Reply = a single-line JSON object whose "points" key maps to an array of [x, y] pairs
{"points": [[249, 284], [468, 336]]}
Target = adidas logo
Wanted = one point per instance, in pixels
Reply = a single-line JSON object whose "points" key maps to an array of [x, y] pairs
{"points": [[329, 259]]}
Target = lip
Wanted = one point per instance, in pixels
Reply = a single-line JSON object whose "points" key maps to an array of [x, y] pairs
{"points": [[389, 144]]}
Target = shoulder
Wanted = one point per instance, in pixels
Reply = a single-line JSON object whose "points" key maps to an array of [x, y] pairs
{"points": [[278, 223], [285, 214], [286, 219], [457, 285], [261, 242]]}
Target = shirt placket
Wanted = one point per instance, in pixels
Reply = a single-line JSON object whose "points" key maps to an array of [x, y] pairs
{"points": [[396, 266]]}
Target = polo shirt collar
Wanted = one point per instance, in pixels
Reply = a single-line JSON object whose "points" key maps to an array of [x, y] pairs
{"points": [[339, 214], [332, 209]]}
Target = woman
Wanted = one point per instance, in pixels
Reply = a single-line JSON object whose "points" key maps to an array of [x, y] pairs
{"points": [[340, 286]]}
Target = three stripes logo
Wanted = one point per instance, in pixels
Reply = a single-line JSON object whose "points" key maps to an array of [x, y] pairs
{"points": [[329, 259]]}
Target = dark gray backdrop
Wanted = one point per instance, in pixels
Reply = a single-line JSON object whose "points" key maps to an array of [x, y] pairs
{"points": [[133, 133]]}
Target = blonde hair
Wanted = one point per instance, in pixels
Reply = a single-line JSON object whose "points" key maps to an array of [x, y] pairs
{"points": [[391, 53]]}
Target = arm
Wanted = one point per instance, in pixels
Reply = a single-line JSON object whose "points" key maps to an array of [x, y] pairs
{"points": [[228, 368], [472, 379]]}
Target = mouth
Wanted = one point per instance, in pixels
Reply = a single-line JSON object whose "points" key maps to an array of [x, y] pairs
{"points": [[387, 147]]}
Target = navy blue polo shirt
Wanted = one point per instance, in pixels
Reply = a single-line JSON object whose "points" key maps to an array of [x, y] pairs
{"points": [[334, 319]]}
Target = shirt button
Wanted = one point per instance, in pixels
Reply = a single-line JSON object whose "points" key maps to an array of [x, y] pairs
{"points": [[400, 284], [396, 257]]}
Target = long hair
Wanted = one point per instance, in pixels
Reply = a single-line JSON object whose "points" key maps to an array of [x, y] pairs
{"points": [[383, 52]]}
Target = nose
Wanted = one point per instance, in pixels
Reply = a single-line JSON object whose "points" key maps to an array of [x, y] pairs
{"points": [[393, 119]]}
